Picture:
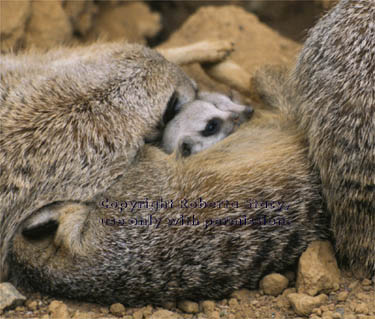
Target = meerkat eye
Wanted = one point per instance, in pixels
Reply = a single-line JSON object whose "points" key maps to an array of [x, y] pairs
{"points": [[185, 149], [212, 127], [172, 108]]}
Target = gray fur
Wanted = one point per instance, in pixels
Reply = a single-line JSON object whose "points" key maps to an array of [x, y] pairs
{"points": [[335, 79], [72, 120]]}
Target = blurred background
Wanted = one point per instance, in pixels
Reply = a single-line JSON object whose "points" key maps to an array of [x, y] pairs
{"points": [[45, 24]]}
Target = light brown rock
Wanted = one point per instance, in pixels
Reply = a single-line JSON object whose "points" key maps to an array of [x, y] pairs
{"points": [[188, 306], [273, 284], [165, 314], [81, 14], [117, 309], [138, 314], [282, 302], [243, 295], [49, 25], [9, 296], [342, 295], [366, 282], [255, 44], [336, 315], [304, 304], [207, 306], [83, 315], [58, 310], [360, 308], [131, 21], [13, 17], [214, 315], [317, 269], [233, 303], [32, 305], [327, 315]]}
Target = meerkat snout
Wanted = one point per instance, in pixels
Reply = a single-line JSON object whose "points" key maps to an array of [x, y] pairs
{"points": [[203, 122]]}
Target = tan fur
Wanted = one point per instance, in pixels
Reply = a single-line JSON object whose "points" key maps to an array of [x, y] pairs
{"points": [[73, 119], [138, 264]]}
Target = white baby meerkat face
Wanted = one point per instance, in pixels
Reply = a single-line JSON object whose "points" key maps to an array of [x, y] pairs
{"points": [[203, 122]]}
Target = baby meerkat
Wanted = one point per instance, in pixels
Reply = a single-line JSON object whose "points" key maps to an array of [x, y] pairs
{"points": [[203, 122]]}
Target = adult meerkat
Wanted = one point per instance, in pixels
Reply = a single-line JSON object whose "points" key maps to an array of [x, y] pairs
{"points": [[195, 228], [202, 123], [335, 81], [73, 118]]}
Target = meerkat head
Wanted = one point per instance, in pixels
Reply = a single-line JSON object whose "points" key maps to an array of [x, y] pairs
{"points": [[202, 123]]}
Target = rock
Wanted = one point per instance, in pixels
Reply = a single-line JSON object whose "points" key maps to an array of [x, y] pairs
{"points": [[9, 296], [188, 306], [117, 309], [138, 314], [304, 304], [147, 311], [353, 285], [83, 315], [207, 306], [58, 310], [255, 44], [32, 305], [104, 310], [336, 315], [342, 295], [317, 269], [273, 284], [327, 315], [282, 302], [243, 295], [214, 315], [288, 291], [169, 305], [165, 314], [360, 308], [49, 25], [132, 21], [13, 16], [366, 282], [80, 14], [233, 303]]}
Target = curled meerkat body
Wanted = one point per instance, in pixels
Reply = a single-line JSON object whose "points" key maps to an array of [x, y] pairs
{"points": [[73, 118], [195, 228], [202, 123]]}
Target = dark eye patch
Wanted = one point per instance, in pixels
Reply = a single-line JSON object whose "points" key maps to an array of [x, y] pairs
{"points": [[212, 127], [171, 109]]}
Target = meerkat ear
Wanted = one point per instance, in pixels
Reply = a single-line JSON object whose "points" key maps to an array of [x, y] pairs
{"points": [[43, 222], [65, 216]]}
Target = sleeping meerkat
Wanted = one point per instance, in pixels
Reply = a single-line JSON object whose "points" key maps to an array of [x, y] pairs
{"points": [[202, 123]]}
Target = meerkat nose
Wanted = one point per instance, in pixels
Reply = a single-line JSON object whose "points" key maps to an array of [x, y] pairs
{"points": [[248, 112]]}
